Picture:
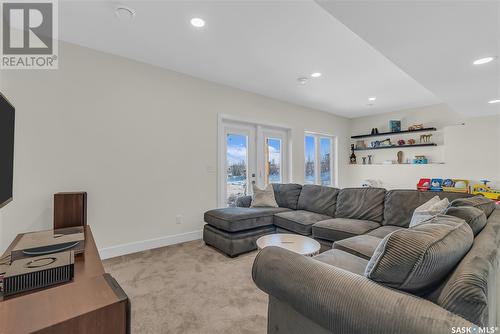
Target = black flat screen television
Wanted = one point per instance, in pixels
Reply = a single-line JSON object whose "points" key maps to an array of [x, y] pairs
{"points": [[7, 112]]}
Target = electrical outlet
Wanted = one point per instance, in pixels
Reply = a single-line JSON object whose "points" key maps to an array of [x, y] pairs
{"points": [[178, 219]]}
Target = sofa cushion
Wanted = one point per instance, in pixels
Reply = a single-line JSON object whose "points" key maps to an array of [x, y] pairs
{"points": [[341, 228], [480, 202], [400, 204], [419, 258], [287, 195], [244, 201], [234, 243], [361, 203], [472, 290], [429, 209], [240, 219], [319, 199], [299, 221], [362, 245], [382, 231], [473, 216], [343, 260], [263, 198]]}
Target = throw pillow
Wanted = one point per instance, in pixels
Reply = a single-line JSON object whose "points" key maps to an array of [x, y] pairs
{"points": [[480, 202], [428, 210], [417, 259], [473, 216], [263, 197]]}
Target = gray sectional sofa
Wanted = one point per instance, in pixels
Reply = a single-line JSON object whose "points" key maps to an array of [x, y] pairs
{"points": [[365, 281], [325, 213]]}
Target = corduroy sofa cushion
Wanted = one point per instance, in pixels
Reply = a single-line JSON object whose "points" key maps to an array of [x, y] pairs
{"points": [[361, 203], [473, 216], [362, 245], [384, 230], [298, 221], [480, 202], [241, 219], [400, 204], [472, 289], [287, 194], [319, 199], [419, 258], [341, 228]]}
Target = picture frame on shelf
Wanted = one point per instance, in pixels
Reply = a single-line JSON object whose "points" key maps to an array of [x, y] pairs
{"points": [[395, 125]]}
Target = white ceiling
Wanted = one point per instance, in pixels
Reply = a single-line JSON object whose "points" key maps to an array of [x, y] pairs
{"points": [[435, 42], [259, 46]]}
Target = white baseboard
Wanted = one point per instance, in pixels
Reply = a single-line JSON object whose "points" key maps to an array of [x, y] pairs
{"points": [[143, 245]]}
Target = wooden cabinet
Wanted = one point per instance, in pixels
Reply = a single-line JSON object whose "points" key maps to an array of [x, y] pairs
{"points": [[92, 303]]}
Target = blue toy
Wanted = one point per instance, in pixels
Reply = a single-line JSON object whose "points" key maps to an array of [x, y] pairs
{"points": [[436, 185], [420, 160]]}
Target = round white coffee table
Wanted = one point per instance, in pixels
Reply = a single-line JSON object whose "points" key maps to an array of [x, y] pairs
{"points": [[293, 242]]}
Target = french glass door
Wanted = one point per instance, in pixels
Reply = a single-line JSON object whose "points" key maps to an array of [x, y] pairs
{"points": [[239, 163], [250, 154]]}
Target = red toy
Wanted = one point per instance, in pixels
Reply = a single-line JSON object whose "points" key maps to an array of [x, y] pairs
{"points": [[424, 184]]}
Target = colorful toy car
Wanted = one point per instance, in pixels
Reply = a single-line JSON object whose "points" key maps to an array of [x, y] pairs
{"points": [[456, 185], [424, 184], [483, 189], [436, 185]]}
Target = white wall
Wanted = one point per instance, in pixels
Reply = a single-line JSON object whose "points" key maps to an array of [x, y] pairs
{"points": [[469, 152], [139, 139]]}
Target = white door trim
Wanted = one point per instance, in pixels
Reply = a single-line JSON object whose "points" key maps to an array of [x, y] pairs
{"points": [[225, 119]]}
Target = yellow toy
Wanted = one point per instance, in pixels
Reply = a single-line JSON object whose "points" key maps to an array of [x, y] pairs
{"points": [[483, 189], [456, 185]]}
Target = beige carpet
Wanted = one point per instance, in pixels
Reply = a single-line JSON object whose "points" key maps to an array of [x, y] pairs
{"points": [[190, 288]]}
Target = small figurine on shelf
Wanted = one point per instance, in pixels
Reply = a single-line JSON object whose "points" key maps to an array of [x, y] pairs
{"points": [[374, 131], [420, 160], [411, 141], [401, 142], [425, 138], [400, 157], [436, 185], [415, 127], [369, 159], [364, 160], [360, 144], [386, 142], [353, 156], [424, 184], [375, 143]]}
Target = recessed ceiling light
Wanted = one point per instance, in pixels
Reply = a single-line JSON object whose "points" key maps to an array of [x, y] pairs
{"points": [[482, 61], [316, 74], [302, 80], [125, 13], [197, 22], [372, 98], [494, 101]]}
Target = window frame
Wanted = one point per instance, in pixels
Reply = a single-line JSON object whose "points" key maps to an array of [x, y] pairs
{"points": [[317, 157]]}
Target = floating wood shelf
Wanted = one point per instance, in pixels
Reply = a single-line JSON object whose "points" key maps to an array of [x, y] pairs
{"points": [[394, 146], [382, 134], [403, 164]]}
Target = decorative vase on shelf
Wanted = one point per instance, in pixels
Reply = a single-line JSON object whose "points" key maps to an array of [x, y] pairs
{"points": [[353, 156]]}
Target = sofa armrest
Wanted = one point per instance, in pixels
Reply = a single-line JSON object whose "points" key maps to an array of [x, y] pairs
{"points": [[244, 201], [344, 302]]}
